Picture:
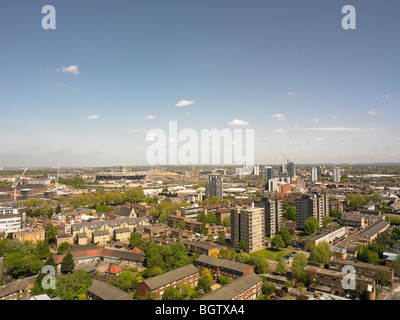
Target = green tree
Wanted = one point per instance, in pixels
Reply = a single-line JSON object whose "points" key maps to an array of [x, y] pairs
{"points": [[72, 286], [223, 280], [277, 242], [42, 250], [181, 225], [201, 217], [126, 280], [311, 225], [205, 280], [211, 218], [243, 245], [162, 218], [227, 254], [64, 246], [320, 254], [268, 288], [14, 246], [67, 264], [171, 293], [226, 222], [20, 265], [51, 233], [300, 261], [221, 238], [285, 234], [281, 267], [135, 240], [290, 211], [335, 214]]}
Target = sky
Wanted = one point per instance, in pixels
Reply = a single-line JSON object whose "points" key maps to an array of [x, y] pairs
{"points": [[88, 92]]}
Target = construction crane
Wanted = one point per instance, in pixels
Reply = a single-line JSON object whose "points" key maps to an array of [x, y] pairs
{"points": [[285, 158], [16, 184]]}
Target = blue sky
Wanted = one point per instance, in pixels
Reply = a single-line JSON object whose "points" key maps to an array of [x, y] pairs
{"points": [[287, 69]]}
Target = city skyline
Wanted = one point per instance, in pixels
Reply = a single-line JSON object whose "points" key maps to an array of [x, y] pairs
{"points": [[86, 93]]}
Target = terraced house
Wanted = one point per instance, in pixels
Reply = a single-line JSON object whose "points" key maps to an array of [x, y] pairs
{"points": [[188, 274], [247, 287], [223, 267], [89, 230]]}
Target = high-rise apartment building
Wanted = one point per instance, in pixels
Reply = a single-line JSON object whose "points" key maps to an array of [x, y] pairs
{"points": [[248, 224], [311, 205], [314, 174], [291, 169], [269, 175], [336, 175], [214, 186], [273, 213]]}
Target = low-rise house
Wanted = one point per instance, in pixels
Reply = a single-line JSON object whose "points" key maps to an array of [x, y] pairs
{"points": [[333, 281], [126, 211], [82, 239], [202, 247], [157, 230], [247, 287], [100, 290], [18, 289], [122, 234], [91, 253], [69, 238], [109, 225], [33, 235], [101, 237], [188, 274], [223, 267]]}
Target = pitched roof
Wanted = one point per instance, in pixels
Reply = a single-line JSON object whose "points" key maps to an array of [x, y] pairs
{"points": [[171, 276], [123, 211], [223, 263], [136, 250], [233, 288], [106, 291], [114, 269]]}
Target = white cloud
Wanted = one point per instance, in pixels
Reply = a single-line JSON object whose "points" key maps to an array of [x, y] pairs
{"points": [[135, 130], [386, 96], [290, 93], [187, 114], [237, 122], [318, 140], [62, 85], [184, 103], [373, 112], [315, 120], [92, 117], [71, 69], [149, 117], [278, 116], [280, 131], [335, 118]]}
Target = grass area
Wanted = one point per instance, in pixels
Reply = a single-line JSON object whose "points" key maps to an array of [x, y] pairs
{"points": [[271, 253]]}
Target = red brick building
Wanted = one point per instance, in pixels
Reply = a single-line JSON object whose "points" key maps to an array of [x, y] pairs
{"points": [[188, 274], [223, 267]]}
